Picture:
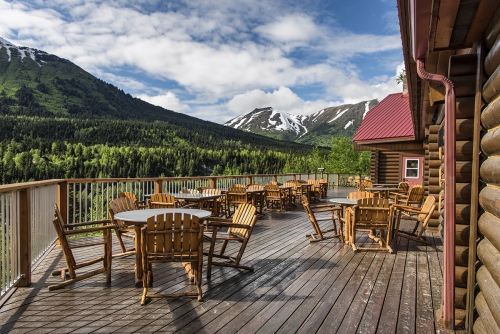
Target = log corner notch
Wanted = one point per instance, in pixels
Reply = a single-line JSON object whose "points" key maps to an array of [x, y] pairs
{"points": [[449, 188]]}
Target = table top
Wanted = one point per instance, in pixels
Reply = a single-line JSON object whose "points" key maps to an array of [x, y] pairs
{"points": [[386, 184], [195, 197], [141, 216], [344, 200], [382, 189]]}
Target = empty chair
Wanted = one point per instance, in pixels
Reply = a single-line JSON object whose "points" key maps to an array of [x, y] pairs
{"points": [[122, 229], [234, 197], [274, 197], [360, 194], [159, 201], [215, 205], [172, 238], [293, 192], [419, 216], [403, 190], [140, 204], [414, 197], [69, 245], [239, 230], [370, 214], [333, 216]]}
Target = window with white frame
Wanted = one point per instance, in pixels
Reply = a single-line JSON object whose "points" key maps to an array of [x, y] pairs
{"points": [[412, 168]]}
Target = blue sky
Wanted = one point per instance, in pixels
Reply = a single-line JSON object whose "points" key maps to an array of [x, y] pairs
{"points": [[217, 59]]}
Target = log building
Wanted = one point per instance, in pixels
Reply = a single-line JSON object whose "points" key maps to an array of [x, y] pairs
{"points": [[452, 58]]}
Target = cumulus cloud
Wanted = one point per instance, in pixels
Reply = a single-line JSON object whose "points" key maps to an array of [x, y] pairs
{"points": [[167, 101], [227, 56]]}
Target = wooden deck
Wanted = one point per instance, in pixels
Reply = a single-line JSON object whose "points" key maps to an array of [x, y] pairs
{"points": [[296, 287]]}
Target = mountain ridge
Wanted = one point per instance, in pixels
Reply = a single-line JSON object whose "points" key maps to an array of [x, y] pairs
{"points": [[314, 129]]}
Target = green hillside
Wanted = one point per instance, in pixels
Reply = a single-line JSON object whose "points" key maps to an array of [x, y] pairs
{"points": [[51, 108]]}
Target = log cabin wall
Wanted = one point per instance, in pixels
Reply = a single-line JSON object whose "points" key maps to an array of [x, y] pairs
{"points": [[433, 165], [487, 301], [462, 71]]}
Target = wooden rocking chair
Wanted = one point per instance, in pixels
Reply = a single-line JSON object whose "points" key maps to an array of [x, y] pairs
{"points": [[172, 238], [160, 201], [419, 216], [235, 196], [370, 214], [414, 197], [239, 229], [69, 245], [118, 205], [319, 234], [140, 204]]}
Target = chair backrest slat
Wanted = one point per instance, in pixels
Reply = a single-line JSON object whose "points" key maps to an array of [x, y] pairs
{"points": [[244, 215]]}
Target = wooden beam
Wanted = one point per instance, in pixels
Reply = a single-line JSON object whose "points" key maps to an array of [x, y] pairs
{"points": [[448, 10]]}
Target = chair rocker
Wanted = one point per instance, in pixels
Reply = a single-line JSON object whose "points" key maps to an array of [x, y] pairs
{"points": [[239, 230], [420, 216], [69, 245], [318, 233], [172, 238], [118, 205]]}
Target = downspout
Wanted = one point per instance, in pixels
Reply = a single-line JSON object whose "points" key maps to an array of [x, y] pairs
{"points": [[449, 191]]}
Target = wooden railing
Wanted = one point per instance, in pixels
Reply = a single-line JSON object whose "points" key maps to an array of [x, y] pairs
{"points": [[26, 211]]}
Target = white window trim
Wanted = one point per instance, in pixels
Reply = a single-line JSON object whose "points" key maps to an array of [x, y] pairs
{"points": [[406, 169]]}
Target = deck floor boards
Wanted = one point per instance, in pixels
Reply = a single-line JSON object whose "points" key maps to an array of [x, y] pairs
{"points": [[296, 287]]}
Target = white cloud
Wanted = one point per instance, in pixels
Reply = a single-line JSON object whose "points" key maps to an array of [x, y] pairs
{"points": [[213, 50], [167, 101]]}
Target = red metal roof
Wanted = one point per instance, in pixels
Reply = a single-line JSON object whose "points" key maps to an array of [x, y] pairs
{"points": [[389, 120]]}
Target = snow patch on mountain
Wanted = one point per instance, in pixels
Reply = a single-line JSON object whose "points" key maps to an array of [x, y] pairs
{"points": [[351, 122], [367, 108], [23, 51], [339, 114]]}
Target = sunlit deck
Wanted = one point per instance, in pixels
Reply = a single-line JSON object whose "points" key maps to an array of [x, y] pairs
{"points": [[297, 286]]}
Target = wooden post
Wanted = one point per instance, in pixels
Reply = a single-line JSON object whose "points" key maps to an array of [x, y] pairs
{"points": [[213, 183], [249, 180], [25, 236], [158, 186], [62, 200]]}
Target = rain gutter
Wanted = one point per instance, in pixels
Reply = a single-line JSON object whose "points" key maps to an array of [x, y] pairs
{"points": [[420, 14]]}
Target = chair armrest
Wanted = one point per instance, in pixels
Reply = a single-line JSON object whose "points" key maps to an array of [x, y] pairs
{"points": [[234, 225], [326, 210], [407, 208], [324, 206], [218, 219], [89, 230], [102, 221]]}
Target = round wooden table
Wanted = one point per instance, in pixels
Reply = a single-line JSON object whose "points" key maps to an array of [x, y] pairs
{"points": [[138, 218]]}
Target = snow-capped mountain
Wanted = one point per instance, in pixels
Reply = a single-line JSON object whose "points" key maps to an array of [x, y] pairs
{"points": [[22, 51], [316, 129]]}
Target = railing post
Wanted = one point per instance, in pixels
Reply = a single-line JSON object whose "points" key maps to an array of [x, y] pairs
{"points": [[62, 200], [213, 183], [25, 237], [158, 186]]}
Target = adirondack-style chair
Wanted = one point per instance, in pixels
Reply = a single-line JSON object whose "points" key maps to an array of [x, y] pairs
{"points": [[414, 198], [140, 204], [274, 197], [403, 190], [235, 196], [159, 201], [293, 192], [172, 238], [70, 245], [258, 198], [239, 230], [370, 214], [215, 206], [360, 194], [122, 229], [419, 216], [334, 215]]}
